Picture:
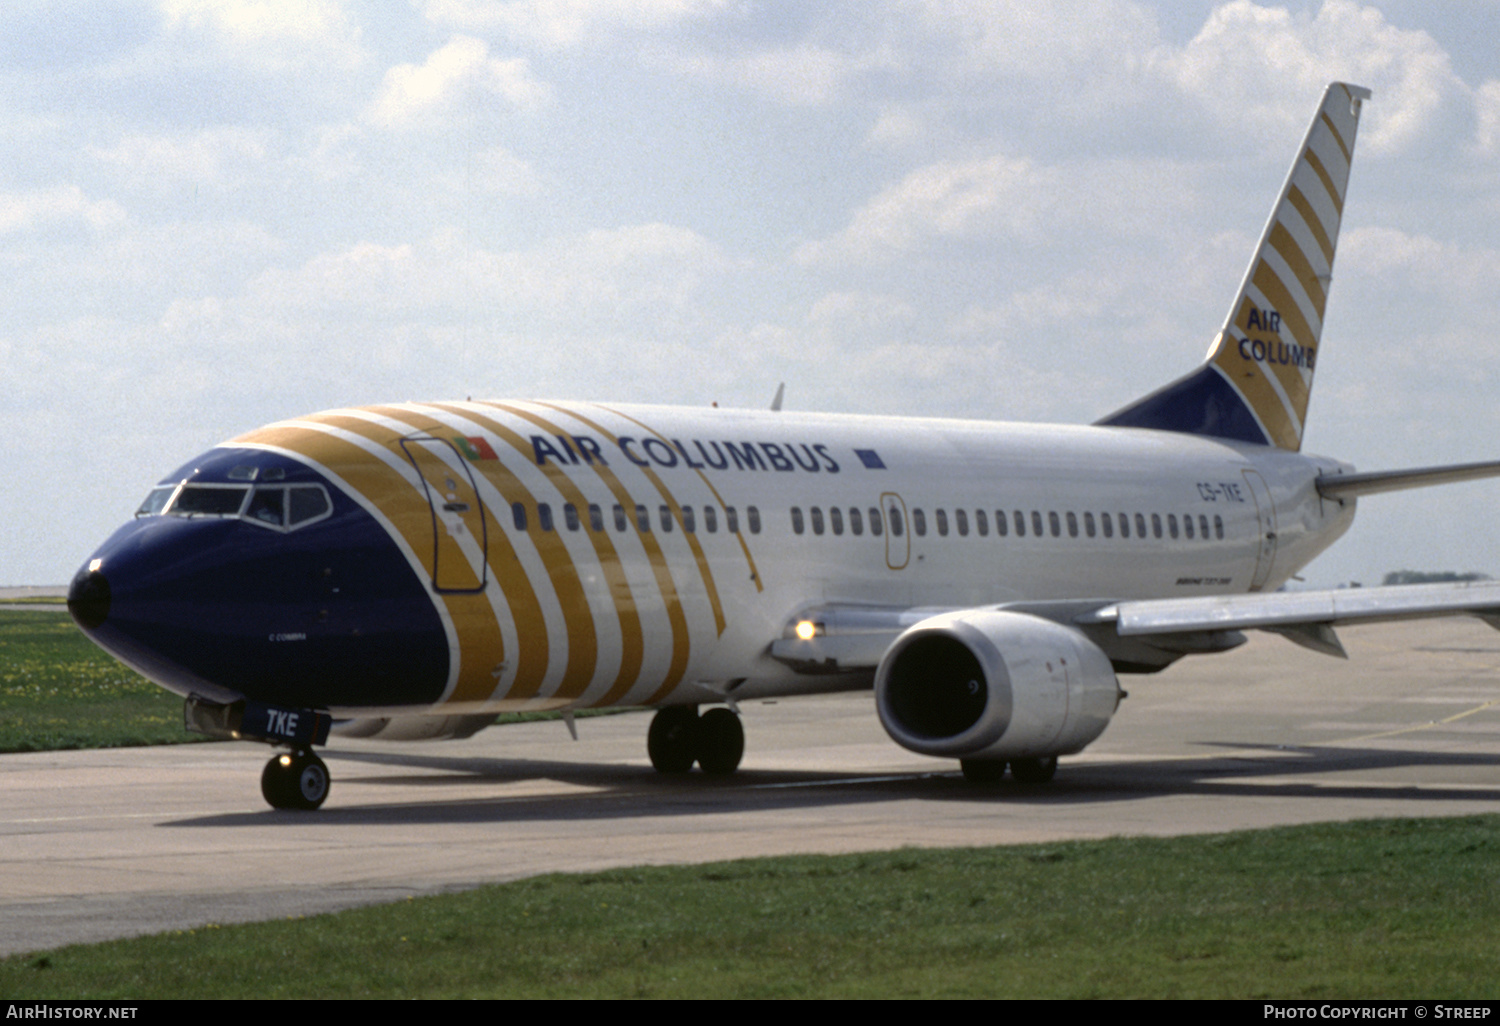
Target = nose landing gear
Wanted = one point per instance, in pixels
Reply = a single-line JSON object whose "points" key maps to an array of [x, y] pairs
{"points": [[295, 780]]}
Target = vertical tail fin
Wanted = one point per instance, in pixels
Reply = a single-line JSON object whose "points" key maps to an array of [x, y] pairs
{"points": [[1255, 384]]}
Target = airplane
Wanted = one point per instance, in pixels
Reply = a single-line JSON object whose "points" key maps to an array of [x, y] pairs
{"points": [[412, 570]]}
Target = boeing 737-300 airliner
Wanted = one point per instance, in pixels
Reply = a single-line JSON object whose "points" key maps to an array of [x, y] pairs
{"points": [[412, 570]]}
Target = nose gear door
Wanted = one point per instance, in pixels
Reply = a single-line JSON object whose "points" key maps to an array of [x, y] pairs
{"points": [[460, 540]]}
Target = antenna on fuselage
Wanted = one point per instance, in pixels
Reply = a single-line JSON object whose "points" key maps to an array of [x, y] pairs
{"points": [[780, 392]]}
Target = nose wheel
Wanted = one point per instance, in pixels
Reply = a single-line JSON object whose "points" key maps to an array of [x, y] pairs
{"points": [[295, 780]]}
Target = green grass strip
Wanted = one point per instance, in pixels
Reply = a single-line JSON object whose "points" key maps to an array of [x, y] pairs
{"points": [[59, 690], [1379, 909]]}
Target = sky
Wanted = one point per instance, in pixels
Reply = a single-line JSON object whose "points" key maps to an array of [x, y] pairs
{"points": [[215, 214]]}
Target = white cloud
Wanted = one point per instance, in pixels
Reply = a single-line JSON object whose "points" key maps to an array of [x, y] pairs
{"points": [[462, 68], [562, 23], [1260, 65], [213, 156], [1003, 197], [604, 271], [803, 74], [1487, 110], [1058, 40], [277, 32], [62, 204]]}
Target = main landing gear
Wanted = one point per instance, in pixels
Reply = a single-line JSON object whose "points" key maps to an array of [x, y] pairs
{"points": [[1022, 771], [295, 780], [680, 737]]}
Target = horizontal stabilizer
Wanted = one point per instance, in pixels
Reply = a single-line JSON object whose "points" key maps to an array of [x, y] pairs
{"points": [[1342, 486]]}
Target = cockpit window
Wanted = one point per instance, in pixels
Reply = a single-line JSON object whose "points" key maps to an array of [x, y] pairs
{"points": [[279, 507], [288, 506], [309, 502], [156, 501], [268, 506], [208, 500]]}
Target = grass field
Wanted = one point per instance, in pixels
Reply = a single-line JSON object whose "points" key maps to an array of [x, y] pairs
{"points": [[57, 690], [1382, 909]]}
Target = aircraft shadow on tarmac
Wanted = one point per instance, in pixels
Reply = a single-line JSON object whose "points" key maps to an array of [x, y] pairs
{"points": [[614, 791]]}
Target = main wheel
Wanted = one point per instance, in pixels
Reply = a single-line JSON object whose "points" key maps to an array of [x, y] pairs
{"points": [[295, 780], [672, 741], [983, 771], [721, 742], [1034, 771]]}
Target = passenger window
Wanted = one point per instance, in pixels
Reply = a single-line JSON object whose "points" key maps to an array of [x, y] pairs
{"points": [[544, 516], [1218, 527], [919, 523], [1172, 524], [1108, 524], [797, 525], [306, 503], [817, 519], [1020, 524], [875, 522], [665, 514], [710, 520], [894, 515], [518, 515], [1203, 527], [1055, 523], [596, 518], [982, 522], [266, 506], [1140, 526], [1156, 525], [1002, 525], [835, 520], [621, 521], [961, 521], [1088, 524], [1036, 523], [731, 520], [942, 522], [752, 514], [1072, 524], [642, 519], [570, 516], [687, 520], [1187, 526], [856, 522]]}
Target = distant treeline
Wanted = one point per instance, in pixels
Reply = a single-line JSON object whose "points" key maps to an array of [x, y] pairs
{"points": [[1430, 577]]}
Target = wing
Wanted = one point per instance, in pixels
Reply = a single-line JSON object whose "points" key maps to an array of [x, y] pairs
{"points": [[1144, 635]]}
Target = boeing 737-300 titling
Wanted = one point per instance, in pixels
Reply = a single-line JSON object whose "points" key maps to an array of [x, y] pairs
{"points": [[412, 570]]}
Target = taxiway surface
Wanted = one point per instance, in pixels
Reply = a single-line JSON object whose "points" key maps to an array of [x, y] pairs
{"points": [[95, 845]]}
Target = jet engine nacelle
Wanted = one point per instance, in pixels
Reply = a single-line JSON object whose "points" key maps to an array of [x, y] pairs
{"points": [[990, 684]]}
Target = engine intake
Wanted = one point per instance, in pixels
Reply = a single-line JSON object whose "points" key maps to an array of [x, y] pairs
{"points": [[991, 684]]}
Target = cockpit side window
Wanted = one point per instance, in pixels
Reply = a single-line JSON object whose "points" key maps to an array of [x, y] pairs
{"points": [[156, 501], [308, 503]]}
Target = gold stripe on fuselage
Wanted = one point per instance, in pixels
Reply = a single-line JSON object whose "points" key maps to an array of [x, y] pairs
{"points": [[660, 568], [520, 595], [632, 640]]}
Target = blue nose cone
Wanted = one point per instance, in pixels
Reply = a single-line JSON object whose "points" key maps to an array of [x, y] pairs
{"points": [[88, 598]]}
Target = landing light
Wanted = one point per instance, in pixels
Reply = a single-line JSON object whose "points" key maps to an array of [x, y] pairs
{"points": [[806, 630]]}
